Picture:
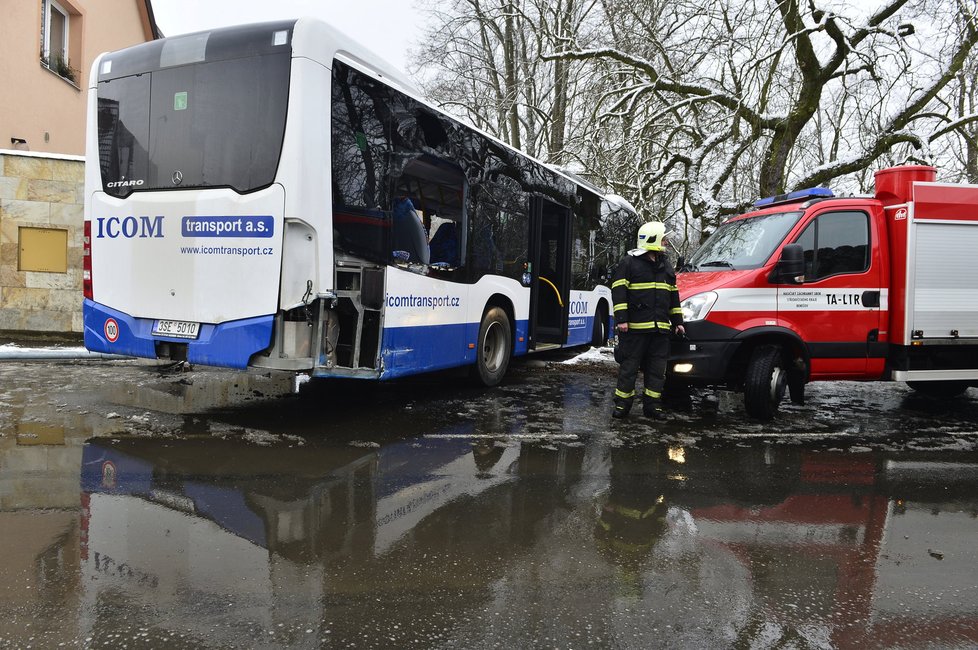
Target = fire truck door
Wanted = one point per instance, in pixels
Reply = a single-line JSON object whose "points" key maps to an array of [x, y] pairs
{"points": [[837, 309]]}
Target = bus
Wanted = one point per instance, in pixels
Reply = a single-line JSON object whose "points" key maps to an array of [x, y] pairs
{"points": [[275, 196]]}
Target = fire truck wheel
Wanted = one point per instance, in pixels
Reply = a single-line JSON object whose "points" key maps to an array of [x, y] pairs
{"points": [[494, 347], [765, 382], [939, 388]]}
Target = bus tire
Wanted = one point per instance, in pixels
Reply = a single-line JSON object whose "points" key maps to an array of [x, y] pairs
{"points": [[599, 335], [765, 382], [948, 388], [494, 347]]}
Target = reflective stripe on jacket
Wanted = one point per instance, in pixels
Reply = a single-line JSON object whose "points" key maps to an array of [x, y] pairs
{"points": [[645, 296]]}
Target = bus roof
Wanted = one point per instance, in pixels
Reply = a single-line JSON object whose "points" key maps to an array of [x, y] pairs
{"points": [[312, 38]]}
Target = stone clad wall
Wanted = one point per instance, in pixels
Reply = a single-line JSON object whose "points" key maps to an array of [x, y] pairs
{"points": [[45, 191]]}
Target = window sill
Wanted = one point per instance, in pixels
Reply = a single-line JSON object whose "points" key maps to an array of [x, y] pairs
{"points": [[64, 79]]}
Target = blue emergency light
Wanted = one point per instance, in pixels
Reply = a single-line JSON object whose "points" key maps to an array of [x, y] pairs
{"points": [[797, 195]]}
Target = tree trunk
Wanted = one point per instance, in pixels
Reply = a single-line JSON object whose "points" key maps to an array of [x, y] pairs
{"points": [[512, 87]]}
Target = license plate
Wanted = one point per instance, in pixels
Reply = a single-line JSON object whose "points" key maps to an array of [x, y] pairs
{"points": [[180, 329]]}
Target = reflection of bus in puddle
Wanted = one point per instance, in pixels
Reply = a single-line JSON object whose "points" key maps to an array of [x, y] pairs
{"points": [[794, 548], [226, 542], [203, 532]]}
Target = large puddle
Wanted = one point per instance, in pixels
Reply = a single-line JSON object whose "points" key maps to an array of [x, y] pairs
{"points": [[154, 508]]}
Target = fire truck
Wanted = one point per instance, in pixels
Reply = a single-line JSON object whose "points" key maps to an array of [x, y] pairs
{"points": [[810, 286]]}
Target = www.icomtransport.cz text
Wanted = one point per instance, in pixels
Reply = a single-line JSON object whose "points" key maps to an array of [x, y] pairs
{"points": [[424, 302], [241, 251]]}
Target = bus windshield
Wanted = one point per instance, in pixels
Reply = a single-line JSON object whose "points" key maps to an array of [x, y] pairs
{"points": [[213, 124], [744, 243]]}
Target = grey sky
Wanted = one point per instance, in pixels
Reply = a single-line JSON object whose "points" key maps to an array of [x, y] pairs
{"points": [[388, 27]]}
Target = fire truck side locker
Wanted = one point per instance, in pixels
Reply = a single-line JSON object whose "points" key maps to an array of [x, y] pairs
{"points": [[933, 241]]}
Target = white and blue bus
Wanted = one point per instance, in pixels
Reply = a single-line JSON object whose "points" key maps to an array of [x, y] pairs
{"points": [[274, 196]]}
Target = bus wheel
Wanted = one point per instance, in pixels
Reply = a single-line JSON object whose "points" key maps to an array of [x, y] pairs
{"points": [[765, 382], [945, 388], [599, 335], [495, 345]]}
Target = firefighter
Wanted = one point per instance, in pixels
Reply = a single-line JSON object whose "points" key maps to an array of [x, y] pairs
{"points": [[646, 314]]}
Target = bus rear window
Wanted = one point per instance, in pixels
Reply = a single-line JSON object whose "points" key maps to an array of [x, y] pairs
{"points": [[212, 124]]}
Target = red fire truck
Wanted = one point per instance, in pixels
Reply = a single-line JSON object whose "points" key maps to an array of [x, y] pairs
{"points": [[810, 286]]}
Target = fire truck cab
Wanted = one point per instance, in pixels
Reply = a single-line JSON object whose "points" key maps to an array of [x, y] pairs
{"points": [[810, 286]]}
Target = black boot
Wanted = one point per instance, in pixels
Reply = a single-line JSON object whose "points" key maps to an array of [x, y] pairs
{"points": [[652, 408], [621, 409], [797, 375]]}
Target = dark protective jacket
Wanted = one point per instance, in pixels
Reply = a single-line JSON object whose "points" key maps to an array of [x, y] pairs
{"points": [[645, 295]]}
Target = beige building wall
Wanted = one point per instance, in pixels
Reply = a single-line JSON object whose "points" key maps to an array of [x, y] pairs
{"points": [[39, 106], [42, 141], [41, 193]]}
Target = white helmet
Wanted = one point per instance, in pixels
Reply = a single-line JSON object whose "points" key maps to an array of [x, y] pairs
{"points": [[651, 236]]}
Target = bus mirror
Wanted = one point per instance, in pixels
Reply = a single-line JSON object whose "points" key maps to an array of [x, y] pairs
{"points": [[791, 266]]}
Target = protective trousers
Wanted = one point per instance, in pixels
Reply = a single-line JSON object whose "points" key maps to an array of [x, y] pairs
{"points": [[648, 352]]}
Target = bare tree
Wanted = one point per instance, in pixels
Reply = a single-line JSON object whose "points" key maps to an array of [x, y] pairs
{"points": [[772, 89], [692, 109], [485, 64], [966, 109], [961, 117]]}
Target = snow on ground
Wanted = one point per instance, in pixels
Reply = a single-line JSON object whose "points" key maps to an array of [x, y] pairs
{"points": [[15, 351], [13, 348], [593, 355]]}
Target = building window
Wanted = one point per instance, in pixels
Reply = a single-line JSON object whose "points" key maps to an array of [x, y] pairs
{"points": [[54, 40]]}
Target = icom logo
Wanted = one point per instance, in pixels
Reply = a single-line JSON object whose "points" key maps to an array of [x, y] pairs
{"points": [[129, 227], [579, 307]]}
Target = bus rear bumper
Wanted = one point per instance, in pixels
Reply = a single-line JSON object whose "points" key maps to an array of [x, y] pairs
{"points": [[229, 344]]}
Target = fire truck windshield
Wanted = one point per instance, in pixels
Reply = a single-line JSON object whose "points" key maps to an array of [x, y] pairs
{"points": [[743, 243]]}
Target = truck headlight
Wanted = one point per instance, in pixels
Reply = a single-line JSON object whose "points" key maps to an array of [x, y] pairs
{"points": [[698, 306]]}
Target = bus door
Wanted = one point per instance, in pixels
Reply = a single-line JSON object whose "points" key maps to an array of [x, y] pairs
{"points": [[549, 257]]}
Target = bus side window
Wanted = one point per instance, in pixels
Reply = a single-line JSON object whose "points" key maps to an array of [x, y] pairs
{"points": [[499, 227], [360, 159], [436, 188], [444, 244]]}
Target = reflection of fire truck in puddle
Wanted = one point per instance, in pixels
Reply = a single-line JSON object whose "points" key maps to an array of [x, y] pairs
{"points": [[849, 545]]}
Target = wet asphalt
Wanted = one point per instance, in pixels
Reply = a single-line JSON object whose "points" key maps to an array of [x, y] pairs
{"points": [[144, 506]]}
